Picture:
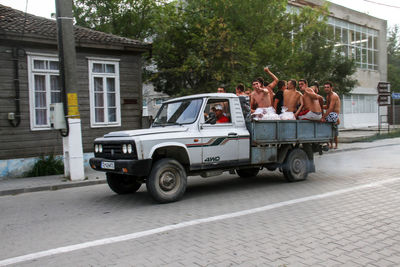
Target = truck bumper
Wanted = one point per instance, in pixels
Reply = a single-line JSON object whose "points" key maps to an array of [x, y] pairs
{"points": [[138, 168]]}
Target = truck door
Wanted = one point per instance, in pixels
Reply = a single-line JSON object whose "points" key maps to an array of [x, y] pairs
{"points": [[219, 137]]}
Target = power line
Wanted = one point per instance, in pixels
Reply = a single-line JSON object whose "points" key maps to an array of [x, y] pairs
{"points": [[381, 4]]}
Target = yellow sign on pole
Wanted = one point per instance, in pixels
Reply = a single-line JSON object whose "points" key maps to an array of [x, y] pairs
{"points": [[73, 111]]}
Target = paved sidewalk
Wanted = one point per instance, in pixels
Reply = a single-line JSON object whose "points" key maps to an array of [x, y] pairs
{"points": [[13, 186]]}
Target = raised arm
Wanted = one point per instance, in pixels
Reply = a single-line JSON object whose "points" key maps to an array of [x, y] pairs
{"points": [[275, 79], [311, 93]]}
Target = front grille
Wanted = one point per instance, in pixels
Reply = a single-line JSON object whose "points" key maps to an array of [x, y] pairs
{"points": [[113, 150]]}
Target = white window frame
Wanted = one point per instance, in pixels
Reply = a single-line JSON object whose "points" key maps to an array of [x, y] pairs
{"points": [[31, 83], [115, 75]]}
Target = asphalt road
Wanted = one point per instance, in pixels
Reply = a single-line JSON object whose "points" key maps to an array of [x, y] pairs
{"points": [[347, 213]]}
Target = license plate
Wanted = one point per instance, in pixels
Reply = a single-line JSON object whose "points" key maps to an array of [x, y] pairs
{"points": [[107, 165]]}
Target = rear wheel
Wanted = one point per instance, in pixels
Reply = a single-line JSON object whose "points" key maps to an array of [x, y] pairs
{"points": [[167, 181], [295, 167], [122, 184], [245, 173]]}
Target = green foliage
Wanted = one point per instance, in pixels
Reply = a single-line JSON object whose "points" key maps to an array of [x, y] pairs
{"points": [[49, 165], [128, 18], [199, 45], [394, 58]]}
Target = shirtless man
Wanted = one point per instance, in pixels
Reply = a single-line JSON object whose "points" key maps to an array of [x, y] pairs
{"points": [[311, 109], [291, 97], [270, 86], [315, 87], [262, 97], [332, 109]]}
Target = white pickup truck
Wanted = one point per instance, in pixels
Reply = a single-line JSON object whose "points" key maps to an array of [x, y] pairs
{"points": [[185, 140]]}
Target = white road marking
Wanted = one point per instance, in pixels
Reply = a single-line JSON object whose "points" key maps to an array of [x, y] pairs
{"points": [[115, 239]]}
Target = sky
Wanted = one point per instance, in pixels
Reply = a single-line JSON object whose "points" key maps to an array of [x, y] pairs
{"points": [[385, 9]]}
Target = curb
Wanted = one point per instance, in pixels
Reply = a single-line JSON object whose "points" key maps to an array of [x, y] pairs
{"points": [[358, 148], [49, 187]]}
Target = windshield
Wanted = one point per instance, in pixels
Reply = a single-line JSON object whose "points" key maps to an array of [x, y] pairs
{"points": [[182, 112]]}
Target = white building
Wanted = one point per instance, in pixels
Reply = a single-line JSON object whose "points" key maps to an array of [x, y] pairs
{"points": [[363, 38]]}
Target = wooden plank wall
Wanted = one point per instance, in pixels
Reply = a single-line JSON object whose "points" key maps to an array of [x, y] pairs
{"points": [[22, 142]]}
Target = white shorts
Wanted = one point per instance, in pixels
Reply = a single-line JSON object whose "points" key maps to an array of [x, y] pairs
{"points": [[312, 116]]}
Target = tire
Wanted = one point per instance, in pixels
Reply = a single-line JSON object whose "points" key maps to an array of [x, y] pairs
{"points": [[295, 167], [167, 181], [246, 173], [122, 184]]}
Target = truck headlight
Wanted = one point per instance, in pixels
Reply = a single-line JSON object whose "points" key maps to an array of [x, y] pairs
{"points": [[96, 148], [124, 148], [100, 148], [129, 148]]}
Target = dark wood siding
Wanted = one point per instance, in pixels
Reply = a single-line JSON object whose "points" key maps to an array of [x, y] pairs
{"points": [[22, 142]]}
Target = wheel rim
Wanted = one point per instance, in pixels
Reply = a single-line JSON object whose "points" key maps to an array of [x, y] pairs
{"points": [[169, 180], [298, 167]]}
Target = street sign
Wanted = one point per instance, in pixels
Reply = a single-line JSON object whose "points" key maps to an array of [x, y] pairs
{"points": [[395, 95], [384, 88], [384, 100]]}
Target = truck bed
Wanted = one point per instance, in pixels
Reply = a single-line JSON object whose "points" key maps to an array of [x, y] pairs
{"points": [[290, 131]]}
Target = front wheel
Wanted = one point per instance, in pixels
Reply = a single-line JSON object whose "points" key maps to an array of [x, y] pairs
{"points": [[295, 167], [246, 173], [122, 184], [167, 181]]}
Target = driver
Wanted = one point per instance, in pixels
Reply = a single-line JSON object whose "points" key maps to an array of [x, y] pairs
{"points": [[221, 118]]}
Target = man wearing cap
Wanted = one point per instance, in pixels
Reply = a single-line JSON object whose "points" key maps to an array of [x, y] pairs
{"points": [[221, 118]]}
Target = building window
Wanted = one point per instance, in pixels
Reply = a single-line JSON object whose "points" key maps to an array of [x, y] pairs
{"points": [[44, 88], [105, 107], [360, 104], [357, 42]]}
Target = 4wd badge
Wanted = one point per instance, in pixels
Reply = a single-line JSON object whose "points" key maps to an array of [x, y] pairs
{"points": [[212, 159]]}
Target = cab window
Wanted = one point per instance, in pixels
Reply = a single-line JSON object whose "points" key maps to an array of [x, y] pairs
{"points": [[218, 108]]}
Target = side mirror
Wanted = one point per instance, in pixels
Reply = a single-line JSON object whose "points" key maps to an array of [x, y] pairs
{"points": [[212, 118]]}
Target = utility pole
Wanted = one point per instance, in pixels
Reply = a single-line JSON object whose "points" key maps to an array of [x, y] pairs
{"points": [[72, 139]]}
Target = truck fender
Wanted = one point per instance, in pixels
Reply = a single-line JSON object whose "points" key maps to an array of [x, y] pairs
{"points": [[168, 149]]}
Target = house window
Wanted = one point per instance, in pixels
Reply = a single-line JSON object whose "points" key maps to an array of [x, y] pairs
{"points": [[105, 107], [44, 89]]}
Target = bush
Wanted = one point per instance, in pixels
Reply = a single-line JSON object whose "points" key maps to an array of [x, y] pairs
{"points": [[49, 165]]}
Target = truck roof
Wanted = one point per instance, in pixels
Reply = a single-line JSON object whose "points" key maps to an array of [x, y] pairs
{"points": [[216, 95]]}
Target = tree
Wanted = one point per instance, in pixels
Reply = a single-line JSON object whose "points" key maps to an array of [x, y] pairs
{"points": [[127, 18], [394, 58], [199, 45], [202, 44]]}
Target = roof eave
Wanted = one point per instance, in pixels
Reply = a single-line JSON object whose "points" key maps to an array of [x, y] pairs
{"points": [[79, 44]]}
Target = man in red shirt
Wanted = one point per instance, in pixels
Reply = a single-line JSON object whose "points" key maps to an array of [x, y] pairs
{"points": [[221, 118]]}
